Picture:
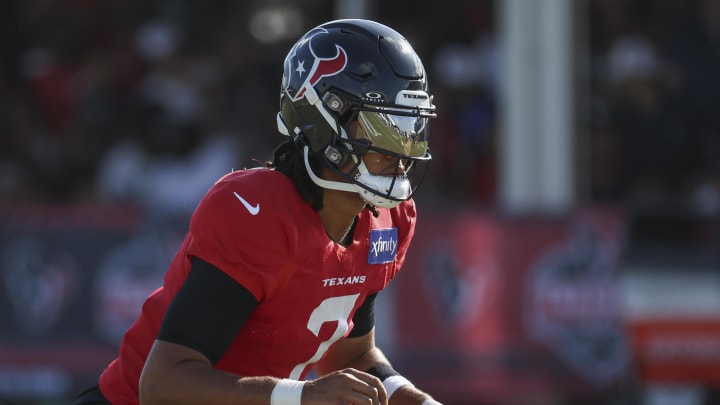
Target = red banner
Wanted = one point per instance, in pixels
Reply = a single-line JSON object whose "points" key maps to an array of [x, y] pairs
{"points": [[72, 279], [683, 350], [513, 309]]}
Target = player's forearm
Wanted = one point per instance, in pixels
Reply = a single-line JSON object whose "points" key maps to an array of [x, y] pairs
{"points": [[176, 374], [400, 393], [410, 395], [370, 358], [197, 383], [404, 395], [203, 387]]}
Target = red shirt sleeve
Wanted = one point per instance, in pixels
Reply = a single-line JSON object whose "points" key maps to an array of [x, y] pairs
{"points": [[251, 247]]}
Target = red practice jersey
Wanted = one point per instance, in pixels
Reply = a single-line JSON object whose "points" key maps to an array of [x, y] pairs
{"points": [[253, 225]]}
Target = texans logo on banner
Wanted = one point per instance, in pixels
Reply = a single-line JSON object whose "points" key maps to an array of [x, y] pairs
{"points": [[39, 281], [126, 276], [573, 305], [462, 283]]}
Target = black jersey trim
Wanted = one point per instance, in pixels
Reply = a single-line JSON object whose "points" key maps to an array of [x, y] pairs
{"points": [[208, 311], [364, 318]]}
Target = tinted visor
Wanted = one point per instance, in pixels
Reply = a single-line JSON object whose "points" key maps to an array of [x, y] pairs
{"points": [[404, 135]]}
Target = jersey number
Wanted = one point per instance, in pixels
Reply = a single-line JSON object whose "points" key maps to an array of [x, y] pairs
{"points": [[334, 309]]}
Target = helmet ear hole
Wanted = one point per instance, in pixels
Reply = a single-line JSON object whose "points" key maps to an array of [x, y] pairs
{"points": [[334, 102]]}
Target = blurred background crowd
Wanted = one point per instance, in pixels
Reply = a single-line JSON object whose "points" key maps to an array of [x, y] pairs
{"points": [[654, 100], [146, 103], [132, 100]]}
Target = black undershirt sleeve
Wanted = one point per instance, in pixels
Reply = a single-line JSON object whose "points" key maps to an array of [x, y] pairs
{"points": [[208, 311], [364, 318]]}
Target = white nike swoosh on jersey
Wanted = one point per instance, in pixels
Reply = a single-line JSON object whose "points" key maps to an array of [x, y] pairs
{"points": [[252, 209]]}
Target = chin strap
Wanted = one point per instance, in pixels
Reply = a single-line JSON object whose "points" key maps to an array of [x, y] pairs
{"points": [[333, 185], [398, 187]]}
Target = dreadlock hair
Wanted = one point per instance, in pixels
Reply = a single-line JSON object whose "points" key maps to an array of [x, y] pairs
{"points": [[288, 159]]}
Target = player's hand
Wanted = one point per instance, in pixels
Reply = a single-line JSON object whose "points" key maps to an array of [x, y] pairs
{"points": [[344, 387]]}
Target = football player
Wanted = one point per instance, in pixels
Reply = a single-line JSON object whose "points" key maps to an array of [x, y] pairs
{"points": [[280, 268]]}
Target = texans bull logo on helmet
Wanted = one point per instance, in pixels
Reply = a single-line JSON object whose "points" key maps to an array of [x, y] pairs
{"points": [[322, 66]]}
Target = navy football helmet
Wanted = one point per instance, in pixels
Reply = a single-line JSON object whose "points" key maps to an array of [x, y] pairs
{"points": [[358, 71]]}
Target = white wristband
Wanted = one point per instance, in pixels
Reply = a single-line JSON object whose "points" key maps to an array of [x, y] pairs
{"points": [[394, 382], [431, 402], [287, 392]]}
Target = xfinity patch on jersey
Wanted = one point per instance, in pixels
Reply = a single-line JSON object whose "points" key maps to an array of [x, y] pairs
{"points": [[383, 245]]}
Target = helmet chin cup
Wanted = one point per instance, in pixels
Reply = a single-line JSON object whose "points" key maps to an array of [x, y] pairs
{"points": [[399, 190]]}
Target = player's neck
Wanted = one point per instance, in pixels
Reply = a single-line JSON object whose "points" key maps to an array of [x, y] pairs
{"points": [[340, 208]]}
